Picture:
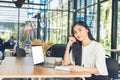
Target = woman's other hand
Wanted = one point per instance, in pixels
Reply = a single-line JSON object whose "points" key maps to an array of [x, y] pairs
{"points": [[77, 69]]}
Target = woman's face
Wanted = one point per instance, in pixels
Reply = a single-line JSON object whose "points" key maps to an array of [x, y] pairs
{"points": [[80, 32]]}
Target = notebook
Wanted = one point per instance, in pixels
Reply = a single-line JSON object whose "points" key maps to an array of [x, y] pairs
{"points": [[38, 56], [66, 68]]}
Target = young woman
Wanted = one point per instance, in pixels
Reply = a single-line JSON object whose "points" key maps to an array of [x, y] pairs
{"points": [[85, 53]]}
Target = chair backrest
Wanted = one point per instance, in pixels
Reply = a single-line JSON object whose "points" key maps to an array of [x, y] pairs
{"points": [[20, 52], [58, 50], [113, 67]]}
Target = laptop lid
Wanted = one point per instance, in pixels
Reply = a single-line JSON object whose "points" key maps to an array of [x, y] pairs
{"points": [[38, 55]]}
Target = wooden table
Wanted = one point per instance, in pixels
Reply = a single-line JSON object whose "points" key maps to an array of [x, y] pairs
{"points": [[12, 67]]}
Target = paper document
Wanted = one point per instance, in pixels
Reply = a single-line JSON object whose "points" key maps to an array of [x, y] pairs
{"points": [[67, 68]]}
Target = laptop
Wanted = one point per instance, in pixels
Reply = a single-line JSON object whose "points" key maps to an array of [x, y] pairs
{"points": [[37, 54], [38, 57]]}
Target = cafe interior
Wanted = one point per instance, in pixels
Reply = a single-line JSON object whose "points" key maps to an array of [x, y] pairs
{"points": [[25, 24]]}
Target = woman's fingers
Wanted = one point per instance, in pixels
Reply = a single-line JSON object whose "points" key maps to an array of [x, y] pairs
{"points": [[71, 40], [76, 69]]}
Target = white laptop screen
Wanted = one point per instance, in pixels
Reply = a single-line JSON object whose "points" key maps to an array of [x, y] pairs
{"points": [[37, 53]]}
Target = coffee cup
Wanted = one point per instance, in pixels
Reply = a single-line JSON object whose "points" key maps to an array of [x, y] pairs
{"points": [[58, 61]]}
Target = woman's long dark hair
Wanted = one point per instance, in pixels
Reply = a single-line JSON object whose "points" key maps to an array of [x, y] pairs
{"points": [[77, 46]]}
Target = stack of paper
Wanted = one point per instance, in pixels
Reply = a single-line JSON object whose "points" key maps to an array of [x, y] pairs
{"points": [[67, 68]]}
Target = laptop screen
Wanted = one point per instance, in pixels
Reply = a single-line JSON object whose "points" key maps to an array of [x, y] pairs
{"points": [[38, 55]]}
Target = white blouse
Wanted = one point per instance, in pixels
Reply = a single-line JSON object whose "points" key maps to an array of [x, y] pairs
{"points": [[93, 55]]}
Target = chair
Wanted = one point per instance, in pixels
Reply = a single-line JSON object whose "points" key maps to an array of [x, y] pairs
{"points": [[57, 50], [2, 49], [113, 67], [20, 52]]}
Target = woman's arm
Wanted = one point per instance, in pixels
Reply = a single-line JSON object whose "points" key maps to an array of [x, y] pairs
{"points": [[91, 70], [83, 69], [67, 55]]}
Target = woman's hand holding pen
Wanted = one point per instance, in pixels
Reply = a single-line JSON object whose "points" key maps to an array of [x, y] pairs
{"points": [[77, 69]]}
